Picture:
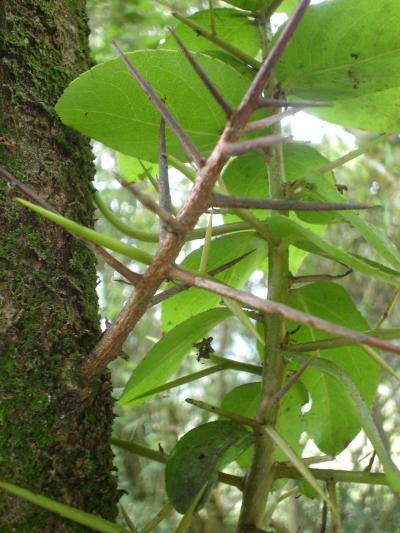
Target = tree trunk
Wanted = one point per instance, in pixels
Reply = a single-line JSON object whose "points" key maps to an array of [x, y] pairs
{"points": [[50, 442]]}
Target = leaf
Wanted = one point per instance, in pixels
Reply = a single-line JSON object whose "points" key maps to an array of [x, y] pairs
{"points": [[245, 400], [325, 423], [361, 411], [296, 234], [340, 51], [131, 170], [197, 457], [93, 522], [223, 250], [287, 6], [246, 176], [324, 189], [91, 235], [231, 26], [251, 5], [106, 104], [165, 357], [379, 111]]}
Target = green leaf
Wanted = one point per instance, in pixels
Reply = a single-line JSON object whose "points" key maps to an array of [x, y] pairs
{"points": [[340, 51], [231, 25], [250, 5], [378, 112], [358, 406], [325, 423], [197, 457], [247, 176], [287, 6], [165, 357], [131, 169], [92, 235], [107, 104], [223, 250], [93, 522], [324, 189], [245, 400], [296, 234]]}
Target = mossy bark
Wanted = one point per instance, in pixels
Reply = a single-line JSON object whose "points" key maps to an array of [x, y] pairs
{"points": [[50, 442]]}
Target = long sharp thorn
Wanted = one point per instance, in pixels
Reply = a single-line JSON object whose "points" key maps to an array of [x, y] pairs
{"points": [[187, 144], [168, 293], [250, 99], [232, 149], [268, 102], [203, 76], [238, 202], [153, 206], [163, 179], [269, 121]]}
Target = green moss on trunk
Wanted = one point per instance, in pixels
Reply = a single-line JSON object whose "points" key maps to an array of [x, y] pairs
{"points": [[50, 441]]}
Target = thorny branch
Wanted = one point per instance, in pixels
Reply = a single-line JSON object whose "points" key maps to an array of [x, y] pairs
{"points": [[197, 203]]}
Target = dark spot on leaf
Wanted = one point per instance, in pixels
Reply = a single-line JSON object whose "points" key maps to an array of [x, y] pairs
{"points": [[201, 456], [354, 55], [355, 83]]}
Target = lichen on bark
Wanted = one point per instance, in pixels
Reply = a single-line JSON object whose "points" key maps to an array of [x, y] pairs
{"points": [[50, 441]]}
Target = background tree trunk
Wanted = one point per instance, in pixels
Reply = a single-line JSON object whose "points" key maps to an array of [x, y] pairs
{"points": [[49, 441]]}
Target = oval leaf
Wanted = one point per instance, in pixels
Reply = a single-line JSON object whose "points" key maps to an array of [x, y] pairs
{"points": [[325, 423], [197, 457], [340, 51], [361, 411], [245, 400], [108, 105]]}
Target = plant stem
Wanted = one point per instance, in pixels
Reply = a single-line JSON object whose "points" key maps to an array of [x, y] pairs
{"points": [[260, 476]]}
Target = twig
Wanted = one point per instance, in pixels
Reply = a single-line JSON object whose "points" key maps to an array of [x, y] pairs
{"points": [[148, 175], [168, 293], [183, 380], [224, 45], [128, 521], [269, 121], [220, 200], [227, 414], [389, 308], [324, 517], [268, 102], [353, 154], [281, 471], [237, 148], [148, 202], [275, 308], [320, 277], [251, 98], [187, 144], [163, 179], [154, 455], [212, 17], [119, 267], [291, 381], [203, 76], [160, 516]]}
